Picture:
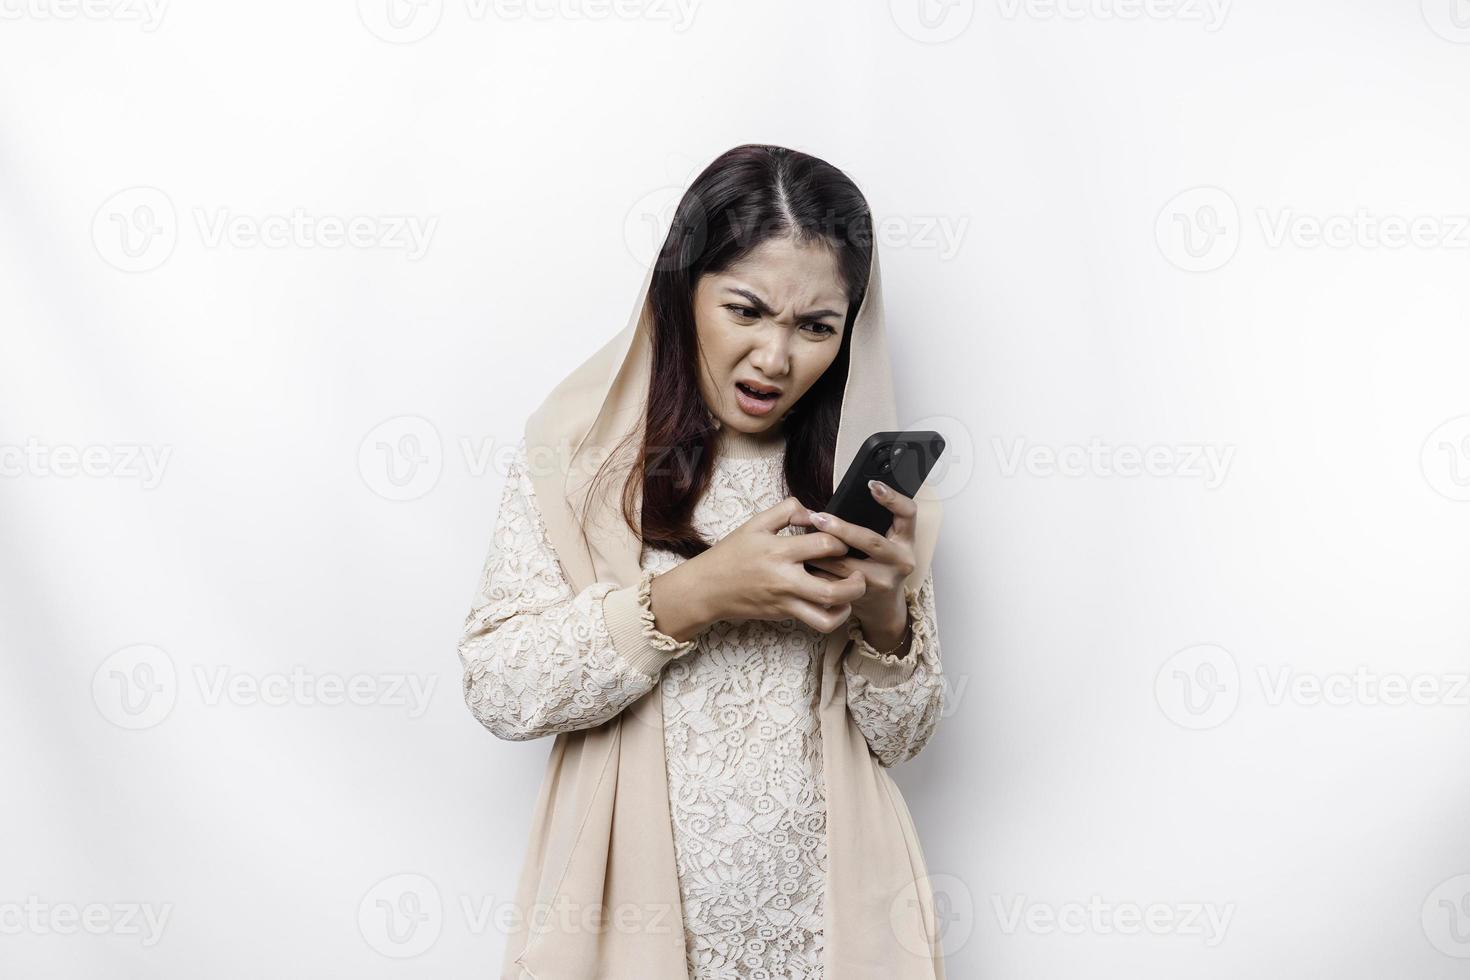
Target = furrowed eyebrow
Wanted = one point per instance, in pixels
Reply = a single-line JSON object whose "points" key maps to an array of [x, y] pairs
{"points": [[759, 305]]}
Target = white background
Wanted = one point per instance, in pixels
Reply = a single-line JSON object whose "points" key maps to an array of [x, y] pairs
{"points": [[1099, 232]]}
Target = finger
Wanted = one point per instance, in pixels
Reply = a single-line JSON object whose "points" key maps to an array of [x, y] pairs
{"points": [[837, 567], [862, 538], [820, 572], [829, 592], [820, 619], [774, 518], [802, 518], [810, 546], [903, 508]]}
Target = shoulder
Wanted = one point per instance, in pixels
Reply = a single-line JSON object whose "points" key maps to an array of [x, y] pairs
{"points": [[519, 489]]}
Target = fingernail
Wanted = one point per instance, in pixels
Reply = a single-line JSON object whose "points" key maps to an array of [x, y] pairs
{"points": [[819, 518], [878, 487]]}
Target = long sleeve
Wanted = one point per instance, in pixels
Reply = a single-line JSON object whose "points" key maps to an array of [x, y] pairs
{"points": [[898, 701], [538, 658]]}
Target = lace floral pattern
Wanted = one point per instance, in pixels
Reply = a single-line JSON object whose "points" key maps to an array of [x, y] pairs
{"points": [[741, 729], [746, 791], [892, 659], [657, 637], [538, 659], [898, 720]]}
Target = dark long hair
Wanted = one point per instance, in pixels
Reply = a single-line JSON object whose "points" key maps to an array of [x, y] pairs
{"points": [[748, 195]]}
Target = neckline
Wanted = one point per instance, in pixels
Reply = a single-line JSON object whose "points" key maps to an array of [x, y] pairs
{"points": [[744, 445]]}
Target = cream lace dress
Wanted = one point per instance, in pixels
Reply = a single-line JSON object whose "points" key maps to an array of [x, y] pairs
{"points": [[743, 745]]}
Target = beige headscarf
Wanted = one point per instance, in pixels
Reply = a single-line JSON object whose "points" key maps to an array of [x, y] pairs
{"points": [[602, 834]]}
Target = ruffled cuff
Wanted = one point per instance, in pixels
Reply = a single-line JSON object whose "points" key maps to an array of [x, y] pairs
{"points": [[888, 670], [630, 621]]}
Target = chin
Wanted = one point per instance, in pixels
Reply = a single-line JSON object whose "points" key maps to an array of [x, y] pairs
{"points": [[751, 426]]}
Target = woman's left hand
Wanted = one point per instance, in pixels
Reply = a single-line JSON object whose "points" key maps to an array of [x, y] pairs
{"points": [[882, 609]]}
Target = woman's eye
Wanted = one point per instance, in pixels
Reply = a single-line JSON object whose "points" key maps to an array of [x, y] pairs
{"points": [[742, 311], [824, 328]]}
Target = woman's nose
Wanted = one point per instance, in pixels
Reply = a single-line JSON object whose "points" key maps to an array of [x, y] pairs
{"points": [[773, 354]]}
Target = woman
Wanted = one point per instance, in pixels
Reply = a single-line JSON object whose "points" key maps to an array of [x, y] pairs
{"points": [[716, 803]]}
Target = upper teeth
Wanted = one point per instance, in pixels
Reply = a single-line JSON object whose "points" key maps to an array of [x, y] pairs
{"points": [[754, 391]]}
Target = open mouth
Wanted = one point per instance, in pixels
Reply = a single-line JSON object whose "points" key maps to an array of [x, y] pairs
{"points": [[764, 396]]}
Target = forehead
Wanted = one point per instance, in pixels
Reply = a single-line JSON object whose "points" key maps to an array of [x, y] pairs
{"points": [[780, 272]]}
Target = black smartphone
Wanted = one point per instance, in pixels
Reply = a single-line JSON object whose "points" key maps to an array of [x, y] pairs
{"points": [[900, 459]]}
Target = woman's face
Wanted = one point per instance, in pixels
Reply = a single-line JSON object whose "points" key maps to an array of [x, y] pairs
{"points": [[774, 321]]}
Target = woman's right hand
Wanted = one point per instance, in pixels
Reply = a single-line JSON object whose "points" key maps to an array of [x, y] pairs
{"points": [[755, 573]]}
